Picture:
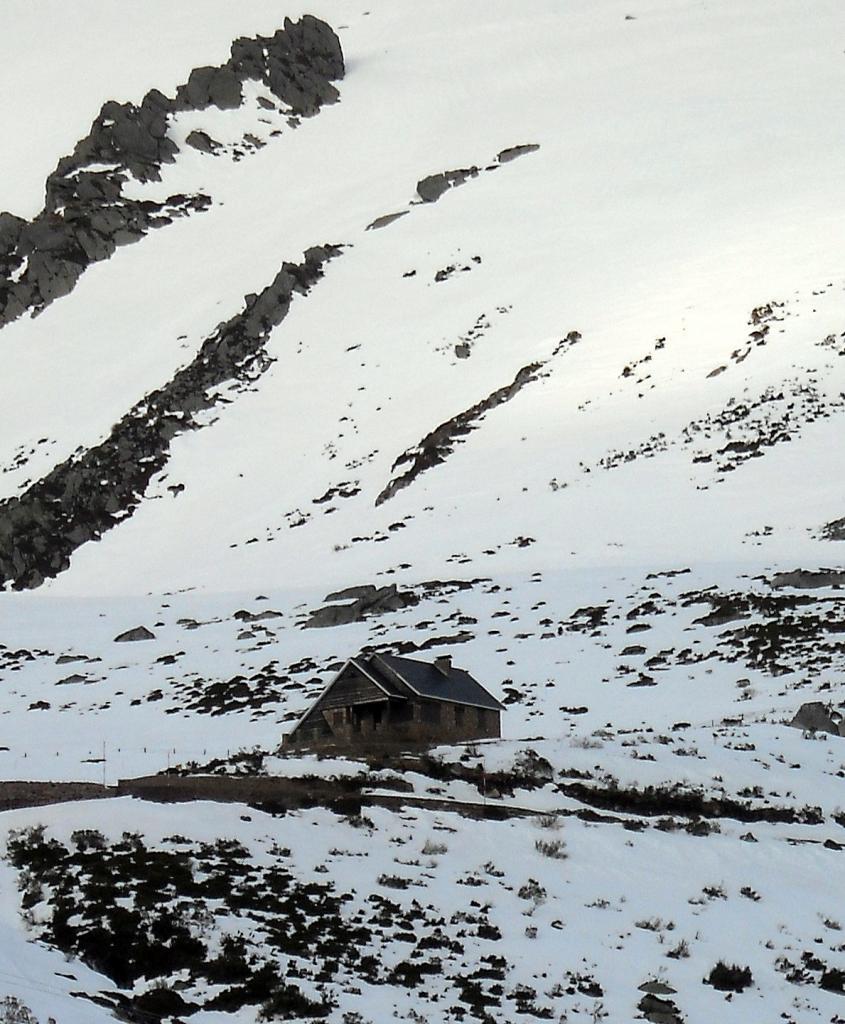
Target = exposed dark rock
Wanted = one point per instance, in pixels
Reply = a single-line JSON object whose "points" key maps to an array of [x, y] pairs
{"points": [[815, 716], [512, 152], [203, 142], [94, 490], [781, 632], [73, 678], [431, 188], [367, 591], [136, 633], [437, 446], [385, 219], [656, 1007], [210, 87], [803, 579], [363, 602], [834, 530], [86, 215]]}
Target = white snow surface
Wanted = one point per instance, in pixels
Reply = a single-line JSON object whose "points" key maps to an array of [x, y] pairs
{"points": [[681, 453]]}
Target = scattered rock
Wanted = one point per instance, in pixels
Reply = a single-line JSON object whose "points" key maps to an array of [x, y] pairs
{"points": [[431, 188], [438, 445], [655, 1007], [803, 579], [387, 218], [834, 530], [203, 142], [136, 633], [512, 152], [362, 602]]}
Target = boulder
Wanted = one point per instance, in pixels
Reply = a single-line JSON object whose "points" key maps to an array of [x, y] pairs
{"points": [[203, 142], [371, 601], [814, 716], [430, 189], [136, 633], [512, 152]]}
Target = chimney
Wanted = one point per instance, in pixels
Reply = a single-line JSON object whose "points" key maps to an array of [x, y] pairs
{"points": [[444, 664]]}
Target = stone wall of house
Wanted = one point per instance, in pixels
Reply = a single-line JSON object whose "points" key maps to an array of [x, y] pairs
{"points": [[408, 725]]}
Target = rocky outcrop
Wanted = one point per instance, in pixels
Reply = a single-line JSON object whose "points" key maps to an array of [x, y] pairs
{"points": [[433, 186], [514, 152], [361, 602], [656, 1004], [438, 445], [95, 489], [834, 530], [86, 215], [814, 716], [808, 579], [134, 634]]}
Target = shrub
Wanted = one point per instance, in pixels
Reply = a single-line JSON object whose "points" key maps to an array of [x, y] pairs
{"points": [[434, 849], [833, 980], [554, 848], [13, 1011], [729, 978], [532, 890]]}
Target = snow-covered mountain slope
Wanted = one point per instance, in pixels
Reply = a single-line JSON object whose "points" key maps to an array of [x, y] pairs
{"points": [[518, 333]]}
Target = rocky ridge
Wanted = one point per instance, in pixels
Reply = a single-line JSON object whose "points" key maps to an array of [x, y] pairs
{"points": [[94, 490], [87, 214]]}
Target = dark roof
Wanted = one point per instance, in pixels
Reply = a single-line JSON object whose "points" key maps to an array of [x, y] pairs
{"points": [[381, 678], [425, 680]]}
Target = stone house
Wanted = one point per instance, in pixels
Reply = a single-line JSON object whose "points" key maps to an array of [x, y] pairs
{"points": [[380, 701]]}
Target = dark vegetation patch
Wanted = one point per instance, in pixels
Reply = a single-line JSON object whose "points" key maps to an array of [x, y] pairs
{"points": [[132, 912], [258, 693], [242, 933], [780, 632], [747, 428], [729, 978], [653, 801]]}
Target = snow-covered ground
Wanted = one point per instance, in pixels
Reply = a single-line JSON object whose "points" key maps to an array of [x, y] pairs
{"points": [[664, 279]]}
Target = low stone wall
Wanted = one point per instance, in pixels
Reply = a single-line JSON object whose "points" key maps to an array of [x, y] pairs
{"points": [[283, 792], [38, 794], [273, 794]]}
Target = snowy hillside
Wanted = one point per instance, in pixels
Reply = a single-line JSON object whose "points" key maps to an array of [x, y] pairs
{"points": [[514, 332]]}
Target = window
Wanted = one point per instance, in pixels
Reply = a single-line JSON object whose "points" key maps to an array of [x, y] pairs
{"points": [[459, 714], [431, 713], [403, 712]]}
